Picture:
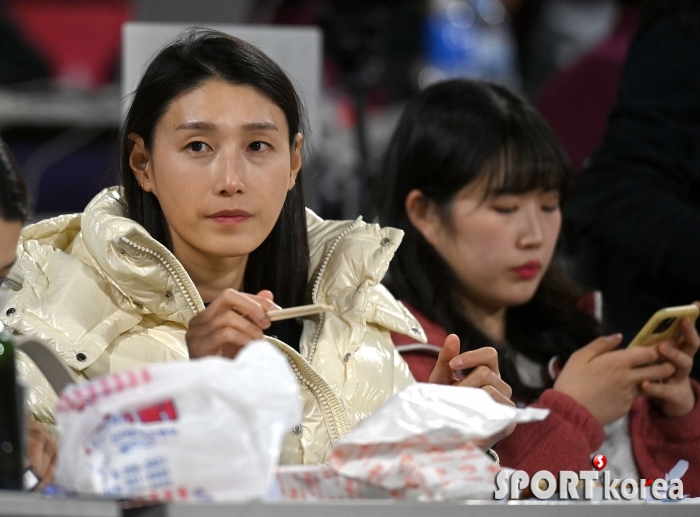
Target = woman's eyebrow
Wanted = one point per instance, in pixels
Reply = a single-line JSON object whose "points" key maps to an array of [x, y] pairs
{"points": [[260, 126], [208, 126], [202, 126]]}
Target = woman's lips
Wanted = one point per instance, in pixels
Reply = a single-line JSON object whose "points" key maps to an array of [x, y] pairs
{"points": [[528, 270], [230, 216]]}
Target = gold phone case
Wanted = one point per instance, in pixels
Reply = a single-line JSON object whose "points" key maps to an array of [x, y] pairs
{"points": [[664, 324]]}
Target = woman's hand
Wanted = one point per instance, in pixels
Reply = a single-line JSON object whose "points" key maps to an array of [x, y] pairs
{"points": [[674, 395], [230, 322], [606, 381], [41, 451], [485, 375]]}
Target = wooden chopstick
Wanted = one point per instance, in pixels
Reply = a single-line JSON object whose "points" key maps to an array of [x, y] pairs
{"points": [[298, 312]]}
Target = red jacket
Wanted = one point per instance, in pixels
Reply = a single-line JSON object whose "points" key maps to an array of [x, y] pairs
{"points": [[566, 439]]}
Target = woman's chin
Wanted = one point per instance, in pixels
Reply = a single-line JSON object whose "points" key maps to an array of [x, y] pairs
{"points": [[519, 298]]}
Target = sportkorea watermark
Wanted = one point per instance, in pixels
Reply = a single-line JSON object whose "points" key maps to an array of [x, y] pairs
{"points": [[568, 484]]}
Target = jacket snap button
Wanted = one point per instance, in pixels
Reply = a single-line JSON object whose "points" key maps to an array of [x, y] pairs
{"points": [[415, 330], [169, 295], [81, 357], [122, 251], [10, 311], [384, 241], [296, 430], [346, 358]]}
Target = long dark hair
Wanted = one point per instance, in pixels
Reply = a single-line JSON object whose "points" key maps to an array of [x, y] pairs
{"points": [[281, 262], [450, 135], [14, 202]]}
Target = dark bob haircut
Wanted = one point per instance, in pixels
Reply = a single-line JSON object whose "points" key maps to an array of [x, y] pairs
{"points": [[14, 203], [450, 135], [197, 56]]}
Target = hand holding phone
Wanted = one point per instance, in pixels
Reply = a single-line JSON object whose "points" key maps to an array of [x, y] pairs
{"points": [[663, 325], [675, 397]]}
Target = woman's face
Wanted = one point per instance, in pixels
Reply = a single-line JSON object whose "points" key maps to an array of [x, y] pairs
{"points": [[499, 247], [9, 235], [220, 165]]}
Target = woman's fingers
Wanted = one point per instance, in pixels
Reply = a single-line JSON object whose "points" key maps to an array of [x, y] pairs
{"points": [[680, 360], [251, 306], [35, 449], [267, 295], [674, 399], [639, 356], [225, 336], [442, 372], [41, 450], [484, 376], [657, 389], [230, 322], [236, 321], [486, 356], [51, 452], [229, 341], [655, 372], [498, 395], [690, 341], [484, 362], [598, 347]]}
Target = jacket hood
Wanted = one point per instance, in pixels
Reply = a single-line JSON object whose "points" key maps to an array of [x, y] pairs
{"points": [[135, 263]]}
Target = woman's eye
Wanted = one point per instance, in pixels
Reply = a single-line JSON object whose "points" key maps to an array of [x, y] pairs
{"points": [[258, 146], [197, 146], [505, 209], [550, 208]]}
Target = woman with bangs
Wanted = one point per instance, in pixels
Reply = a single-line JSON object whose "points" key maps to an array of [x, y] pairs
{"points": [[476, 180]]}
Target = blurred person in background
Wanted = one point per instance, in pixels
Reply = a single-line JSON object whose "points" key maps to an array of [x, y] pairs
{"points": [[14, 211], [634, 219], [577, 100], [476, 178], [20, 62]]}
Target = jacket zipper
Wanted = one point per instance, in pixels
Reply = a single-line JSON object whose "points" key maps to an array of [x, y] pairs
{"points": [[170, 269], [332, 408], [317, 282]]}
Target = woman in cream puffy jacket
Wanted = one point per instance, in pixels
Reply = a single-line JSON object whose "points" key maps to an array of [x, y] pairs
{"points": [[210, 212]]}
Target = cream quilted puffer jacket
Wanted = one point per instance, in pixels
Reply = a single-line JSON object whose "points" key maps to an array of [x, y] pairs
{"points": [[107, 296]]}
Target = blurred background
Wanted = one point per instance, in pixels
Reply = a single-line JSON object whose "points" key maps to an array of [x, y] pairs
{"points": [[61, 100]]}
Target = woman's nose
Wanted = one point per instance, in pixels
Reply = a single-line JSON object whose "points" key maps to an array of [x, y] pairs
{"points": [[229, 174], [531, 234]]}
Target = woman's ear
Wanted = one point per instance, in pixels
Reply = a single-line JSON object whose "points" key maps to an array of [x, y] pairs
{"points": [[423, 215], [140, 162], [295, 160]]}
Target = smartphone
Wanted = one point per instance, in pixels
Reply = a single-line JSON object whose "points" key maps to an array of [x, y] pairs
{"points": [[664, 324]]}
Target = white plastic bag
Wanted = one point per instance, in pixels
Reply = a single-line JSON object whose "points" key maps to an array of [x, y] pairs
{"points": [[208, 429], [416, 446]]}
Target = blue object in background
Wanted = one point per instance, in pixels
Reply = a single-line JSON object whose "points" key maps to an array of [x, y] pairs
{"points": [[469, 38]]}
